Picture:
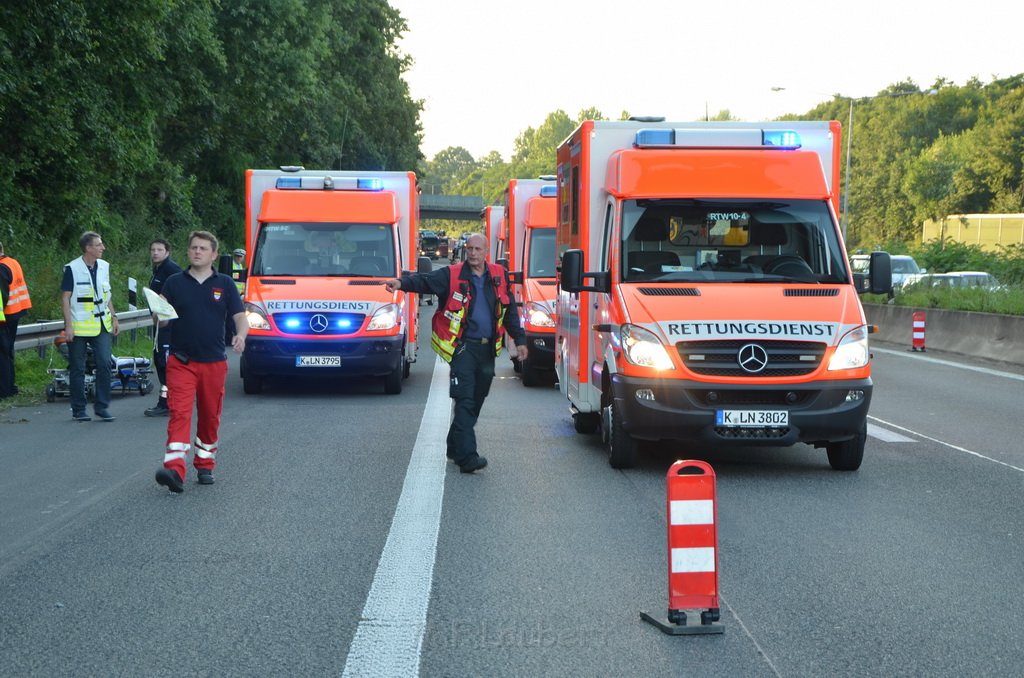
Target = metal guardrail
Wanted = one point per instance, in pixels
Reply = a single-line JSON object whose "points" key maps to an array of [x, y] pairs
{"points": [[40, 335]]}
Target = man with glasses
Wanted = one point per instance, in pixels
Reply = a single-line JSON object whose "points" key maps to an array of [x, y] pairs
{"points": [[89, 321]]}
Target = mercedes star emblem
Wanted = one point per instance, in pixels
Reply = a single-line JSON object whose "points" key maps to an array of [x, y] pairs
{"points": [[318, 323], [752, 358]]}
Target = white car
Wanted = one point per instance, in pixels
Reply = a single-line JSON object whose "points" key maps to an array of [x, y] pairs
{"points": [[955, 279]]}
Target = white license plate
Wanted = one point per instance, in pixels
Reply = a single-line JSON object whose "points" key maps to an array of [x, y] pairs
{"points": [[751, 418], [318, 361]]}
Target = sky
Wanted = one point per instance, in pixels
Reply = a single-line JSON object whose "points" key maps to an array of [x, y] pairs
{"points": [[487, 70]]}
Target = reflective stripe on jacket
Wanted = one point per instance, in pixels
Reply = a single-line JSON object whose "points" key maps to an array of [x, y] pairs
{"points": [[89, 305], [448, 325], [17, 298]]}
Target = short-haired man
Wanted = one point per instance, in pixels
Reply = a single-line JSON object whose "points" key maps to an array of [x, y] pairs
{"points": [[89, 321], [163, 268], [475, 309], [197, 364]]}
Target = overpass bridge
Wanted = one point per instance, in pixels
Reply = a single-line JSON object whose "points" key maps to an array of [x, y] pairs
{"points": [[459, 207]]}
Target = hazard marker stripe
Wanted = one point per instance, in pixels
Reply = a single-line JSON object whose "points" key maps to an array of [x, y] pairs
{"points": [[691, 512], [694, 559], [389, 637]]}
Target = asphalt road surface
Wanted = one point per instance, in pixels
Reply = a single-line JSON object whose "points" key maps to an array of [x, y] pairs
{"points": [[337, 540]]}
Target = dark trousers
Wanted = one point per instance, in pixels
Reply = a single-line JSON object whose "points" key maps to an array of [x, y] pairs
{"points": [[76, 363], [163, 340], [472, 371], [8, 333]]}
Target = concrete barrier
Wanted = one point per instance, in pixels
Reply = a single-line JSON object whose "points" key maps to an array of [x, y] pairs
{"points": [[982, 335]]}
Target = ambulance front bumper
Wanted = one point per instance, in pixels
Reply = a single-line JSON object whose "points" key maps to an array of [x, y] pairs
{"points": [[358, 356], [818, 412], [541, 347]]}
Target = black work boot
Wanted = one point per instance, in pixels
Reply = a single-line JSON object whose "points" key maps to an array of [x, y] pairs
{"points": [[158, 410], [171, 480]]}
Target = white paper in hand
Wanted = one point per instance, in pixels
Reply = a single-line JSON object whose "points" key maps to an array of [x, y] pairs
{"points": [[159, 305]]}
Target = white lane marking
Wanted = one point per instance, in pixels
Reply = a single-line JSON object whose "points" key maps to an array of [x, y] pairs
{"points": [[389, 637], [887, 436], [949, 363], [949, 445]]}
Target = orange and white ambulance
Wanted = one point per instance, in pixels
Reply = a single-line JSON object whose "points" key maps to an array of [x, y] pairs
{"points": [[527, 243], [320, 245], [705, 295]]}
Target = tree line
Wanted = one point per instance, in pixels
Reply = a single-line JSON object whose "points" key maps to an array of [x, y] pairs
{"points": [[916, 154]]}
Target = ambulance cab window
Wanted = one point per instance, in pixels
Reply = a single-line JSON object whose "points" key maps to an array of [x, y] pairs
{"points": [[730, 241], [325, 249], [542, 253]]}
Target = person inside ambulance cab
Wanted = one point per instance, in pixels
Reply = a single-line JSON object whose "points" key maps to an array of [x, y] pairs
{"points": [[476, 309]]}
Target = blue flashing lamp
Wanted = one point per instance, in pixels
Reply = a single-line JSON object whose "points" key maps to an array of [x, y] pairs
{"points": [[782, 138], [292, 323], [655, 137], [344, 324], [548, 191], [289, 182], [371, 184]]}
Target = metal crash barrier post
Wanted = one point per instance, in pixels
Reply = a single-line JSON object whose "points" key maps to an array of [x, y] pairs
{"points": [[692, 550]]}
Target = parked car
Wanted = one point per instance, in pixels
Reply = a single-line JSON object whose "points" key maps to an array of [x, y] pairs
{"points": [[903, 267], [959, 279]]}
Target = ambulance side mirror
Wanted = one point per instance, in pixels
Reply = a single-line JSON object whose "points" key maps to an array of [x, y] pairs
{"points": [[573, 275], [515, 277], [880, 273], [423, 265], [224, 264]]}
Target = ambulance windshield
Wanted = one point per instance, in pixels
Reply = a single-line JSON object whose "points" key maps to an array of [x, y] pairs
{"points": [[325, 249], [730, 241], [542, 253]]}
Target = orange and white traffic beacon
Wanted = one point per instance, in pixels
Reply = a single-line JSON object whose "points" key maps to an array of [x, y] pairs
{"points": [[692, 549]]}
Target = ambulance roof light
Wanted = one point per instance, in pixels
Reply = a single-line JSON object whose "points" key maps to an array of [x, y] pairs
{"points": [[314, 183], [782, 138], [720, 137], [548, 191], [289, 182], [647, 118]]}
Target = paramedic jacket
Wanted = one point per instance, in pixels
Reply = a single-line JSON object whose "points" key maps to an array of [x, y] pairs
{"points": [[437, 282]]}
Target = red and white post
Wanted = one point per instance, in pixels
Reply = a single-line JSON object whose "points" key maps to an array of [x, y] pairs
{"points": [[917, 332], [692, 549]]}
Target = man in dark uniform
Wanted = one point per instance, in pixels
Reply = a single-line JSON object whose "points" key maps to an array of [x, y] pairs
{"points": [[197, 364], [163, 268], [475, 309]]}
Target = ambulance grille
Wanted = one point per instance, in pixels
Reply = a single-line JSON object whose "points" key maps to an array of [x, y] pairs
{"points": [[744, 433], [365, 282], [816, 292], [669, 291], [753, 398], [721, 358], [323, 324]]}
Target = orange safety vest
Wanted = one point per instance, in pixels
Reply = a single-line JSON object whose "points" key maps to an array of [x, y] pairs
{"points": [[17, 298], [447, 324]]}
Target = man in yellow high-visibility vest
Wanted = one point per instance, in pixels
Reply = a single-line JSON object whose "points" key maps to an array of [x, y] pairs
{"points": [[89, 320]]}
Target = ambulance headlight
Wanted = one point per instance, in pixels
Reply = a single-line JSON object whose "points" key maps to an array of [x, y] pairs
{"points": [[384, 318], [642, 347], [538, 315], [852, 351], [256, 317]]}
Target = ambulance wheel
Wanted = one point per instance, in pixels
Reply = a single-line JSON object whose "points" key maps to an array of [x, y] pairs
{"points": [[517, 365], [586, 422], [848, 455], [406, 368], [393, 382], [51, 393], [622, 448]]}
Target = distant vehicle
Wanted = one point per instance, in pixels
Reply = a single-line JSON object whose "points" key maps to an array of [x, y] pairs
{"points": [[432, 245], [959, 279], [903, 267]]}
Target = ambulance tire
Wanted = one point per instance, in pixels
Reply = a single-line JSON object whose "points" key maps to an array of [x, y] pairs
{"points": [[406, 368], [517, 365], [622, 448], [586, 422], [848, 455], [393, 382], [51, 393], [251, 384]]}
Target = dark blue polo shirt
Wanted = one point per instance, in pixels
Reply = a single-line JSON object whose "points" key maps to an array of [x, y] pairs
{"points": [[202, 309]]}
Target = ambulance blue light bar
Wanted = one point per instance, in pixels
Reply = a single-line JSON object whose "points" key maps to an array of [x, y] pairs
{"points": [[548, 191], [717, 137], [322, 183]]}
